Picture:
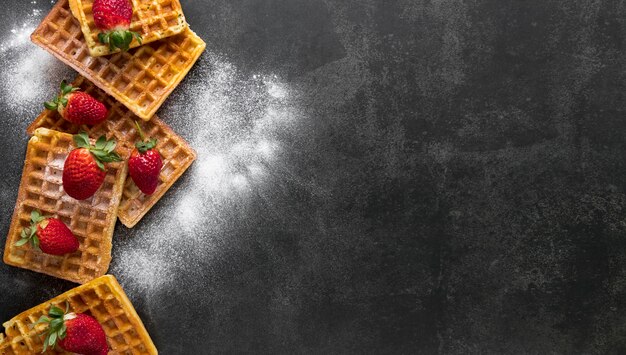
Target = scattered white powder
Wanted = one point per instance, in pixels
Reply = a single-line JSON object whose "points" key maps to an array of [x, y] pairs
{"points": [[30, 75], [235, 124]]}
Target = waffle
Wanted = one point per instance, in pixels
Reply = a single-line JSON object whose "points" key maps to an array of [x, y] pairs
{"points": [[141, 79], [103, 299], [176, 153], [152, 19], [91, 220]]}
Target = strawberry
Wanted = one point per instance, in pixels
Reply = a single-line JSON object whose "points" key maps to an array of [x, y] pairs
{"points": [[145, 163], [84, 171], [50, 235], [78, 107], [113, 17], [74, 332]]}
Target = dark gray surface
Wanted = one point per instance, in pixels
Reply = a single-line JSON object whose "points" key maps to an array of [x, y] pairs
{"points": [[443, 177]]}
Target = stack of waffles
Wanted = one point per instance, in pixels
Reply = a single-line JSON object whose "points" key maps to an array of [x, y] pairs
{"points": [[132, 84]]}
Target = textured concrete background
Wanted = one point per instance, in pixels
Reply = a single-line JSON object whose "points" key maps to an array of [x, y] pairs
{"points": [[450, 179]]}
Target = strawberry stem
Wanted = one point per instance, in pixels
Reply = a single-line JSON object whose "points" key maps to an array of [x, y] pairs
{"points": [[29, 234], [119, 39], [60, 100], [57, 329], [144, 145], [102, 151], [143, 137]]}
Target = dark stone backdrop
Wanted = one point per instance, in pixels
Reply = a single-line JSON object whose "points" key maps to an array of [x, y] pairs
{"points": [[457, 186]]}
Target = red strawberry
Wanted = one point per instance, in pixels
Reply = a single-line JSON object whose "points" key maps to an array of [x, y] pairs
{"points": [[75, 333], [145, 163], [78, 107], [113, 18], [84, 172], [48, 234]]}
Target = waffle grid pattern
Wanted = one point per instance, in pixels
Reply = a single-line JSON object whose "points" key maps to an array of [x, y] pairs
{"points": [[91, 220], [103, 299], [176, 153], [141, 78], [152, 19]]}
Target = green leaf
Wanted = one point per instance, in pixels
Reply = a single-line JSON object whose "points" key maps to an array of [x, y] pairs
{"points": [[56, 312], [21, 242], [110, 146], [100, 154], [82, 140], [101, 142], [42, 319], [128, 38], [36, 243], [117, 39], [65, 88], [63, 101], [63, 331], [103, 38], [56, 323], [24, 234], [45, 343], [100, 165], [138, 37], [114, 157], [53, 338], [50, 105]]}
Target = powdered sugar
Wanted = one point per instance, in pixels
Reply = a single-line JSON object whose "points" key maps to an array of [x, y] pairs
{"points": [[235, 124], [30, 76]]}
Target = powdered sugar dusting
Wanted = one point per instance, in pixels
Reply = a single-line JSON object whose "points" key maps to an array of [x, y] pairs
{"points": [[30, 75], [235, 123]]}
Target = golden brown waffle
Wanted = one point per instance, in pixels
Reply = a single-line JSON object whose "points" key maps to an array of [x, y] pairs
{"points": [[141, 79], [176, 153], [104, 299], [152, 19], [91, 220]]}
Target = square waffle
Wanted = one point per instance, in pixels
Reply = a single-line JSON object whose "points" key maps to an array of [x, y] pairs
{"points": [[152, 19], [91, 220], [176, 153], [102, 298], [141, 79]]}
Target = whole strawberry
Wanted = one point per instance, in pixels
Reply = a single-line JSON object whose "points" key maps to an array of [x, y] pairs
{"points": [[145, 163], [78, 107], [113, 18], [50, 235], [84, 171], [75, 333]]}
